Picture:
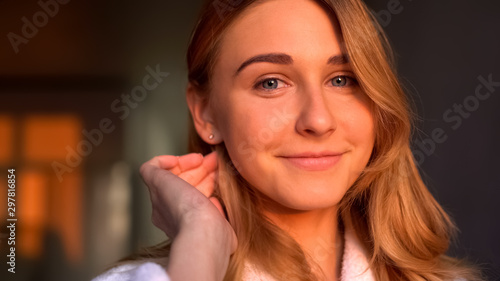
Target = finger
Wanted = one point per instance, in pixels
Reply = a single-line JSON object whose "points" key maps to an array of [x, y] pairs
{"points": [[167, 162], [162, 161], [147, 169], [149, 173], [210, 161], [154, 177], [185, 163], [190, 161], [206, 186], [196, 175], [217, 204]]}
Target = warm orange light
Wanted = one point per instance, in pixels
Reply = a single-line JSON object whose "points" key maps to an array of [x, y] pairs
{"points": [[45, 137], [45, 203], [31, 211]]}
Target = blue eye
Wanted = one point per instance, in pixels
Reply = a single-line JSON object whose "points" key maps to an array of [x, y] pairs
{"points": [[270, 84], [342, 81]]}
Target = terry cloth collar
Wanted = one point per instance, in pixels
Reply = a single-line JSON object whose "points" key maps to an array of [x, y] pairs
{"points": [[355, 265]]}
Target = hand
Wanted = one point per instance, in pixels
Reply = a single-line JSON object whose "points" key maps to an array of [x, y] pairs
{"points": [[180, 190], [197, 170], [171, 179]]}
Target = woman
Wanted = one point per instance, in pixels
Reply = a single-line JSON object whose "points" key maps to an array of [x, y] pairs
{"points": [[311, 175]]}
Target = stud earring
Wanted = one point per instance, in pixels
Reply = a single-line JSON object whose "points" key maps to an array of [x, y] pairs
{"points": [[211, 137]]}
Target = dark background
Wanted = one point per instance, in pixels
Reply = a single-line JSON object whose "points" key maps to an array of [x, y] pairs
{"points": [[91, 52]]}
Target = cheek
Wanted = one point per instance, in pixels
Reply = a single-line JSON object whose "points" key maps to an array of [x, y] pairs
{"points": [[359, 125], [249, 129], [255, 130], [359, 128]]}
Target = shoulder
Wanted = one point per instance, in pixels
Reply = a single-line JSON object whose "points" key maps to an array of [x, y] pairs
{"points": [[134, 272]]}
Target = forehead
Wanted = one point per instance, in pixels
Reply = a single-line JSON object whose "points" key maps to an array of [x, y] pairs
{"points": [[301, 28]]}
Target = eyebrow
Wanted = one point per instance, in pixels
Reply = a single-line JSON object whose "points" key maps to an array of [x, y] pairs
{"points": [[281, 58]]}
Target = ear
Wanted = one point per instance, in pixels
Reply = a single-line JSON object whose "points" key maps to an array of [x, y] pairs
{"points": [[202, 115]]}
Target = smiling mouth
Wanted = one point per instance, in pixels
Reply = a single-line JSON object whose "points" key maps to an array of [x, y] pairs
{"points": [[313, 161]]}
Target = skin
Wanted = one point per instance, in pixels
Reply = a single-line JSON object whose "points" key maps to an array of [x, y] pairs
{"points": [[310, 106], [180, 188]]}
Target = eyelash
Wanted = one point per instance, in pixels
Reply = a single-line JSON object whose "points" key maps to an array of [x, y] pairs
{"points": [[258, 84]]}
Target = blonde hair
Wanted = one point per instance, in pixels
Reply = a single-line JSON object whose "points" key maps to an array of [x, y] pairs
{"points": [[403, 228]]}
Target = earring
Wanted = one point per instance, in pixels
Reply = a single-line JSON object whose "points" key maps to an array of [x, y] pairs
{"points": [[211, 137]]}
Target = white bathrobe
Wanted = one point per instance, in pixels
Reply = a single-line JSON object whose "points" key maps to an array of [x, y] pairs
{"points": [[354, 267]]}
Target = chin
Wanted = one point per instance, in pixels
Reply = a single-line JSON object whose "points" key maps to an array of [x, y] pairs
{"points": [[312, 199]]}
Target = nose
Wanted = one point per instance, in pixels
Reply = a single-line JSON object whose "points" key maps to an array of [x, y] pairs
{"points": [[316, 118]]}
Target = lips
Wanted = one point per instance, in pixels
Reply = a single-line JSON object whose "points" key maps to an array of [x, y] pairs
{"points": [[313, 161]]}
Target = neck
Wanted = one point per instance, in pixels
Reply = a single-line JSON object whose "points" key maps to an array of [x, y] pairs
{"points": [[317, 233]]}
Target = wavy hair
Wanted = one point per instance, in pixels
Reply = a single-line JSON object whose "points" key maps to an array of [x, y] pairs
{"points": [[405, 231]]}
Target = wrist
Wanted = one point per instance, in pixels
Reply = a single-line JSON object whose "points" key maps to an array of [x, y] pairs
{"points": [[198, 253], [214, 233]]}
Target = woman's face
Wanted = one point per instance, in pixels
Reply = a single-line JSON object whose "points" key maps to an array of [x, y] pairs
{"points": [[288, 108]]}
